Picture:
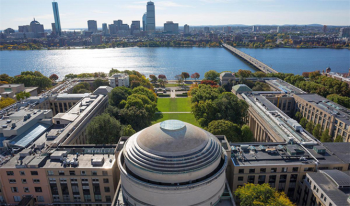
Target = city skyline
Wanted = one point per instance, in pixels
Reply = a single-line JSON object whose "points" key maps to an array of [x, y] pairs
{"points": [[194, 13]]}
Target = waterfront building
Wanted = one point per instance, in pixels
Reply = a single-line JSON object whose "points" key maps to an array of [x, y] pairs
{"points": [[24, 29], [96, 39], [135, 27], [112, 29], [57, 18], [186, 29], [144, 21], [171, 27], [344, 32], [151, 17], [104, 28], [148, 176], [226, 77], [119, 80], [53, 28], [34, 27], [92, 26], [118, 24]]}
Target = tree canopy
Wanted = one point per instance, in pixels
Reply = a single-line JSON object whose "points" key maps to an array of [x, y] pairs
{"points": [[212, 75], [223, 127], [103, 129], [325, 136], [22, 95], [253, 195], [118, 94]]}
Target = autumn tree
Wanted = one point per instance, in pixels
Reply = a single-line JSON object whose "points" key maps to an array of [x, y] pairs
{"points": [[53, 77], [244, 73], [153, 78], [161, 76], [4, 102], [252, 195], [195, 76]]}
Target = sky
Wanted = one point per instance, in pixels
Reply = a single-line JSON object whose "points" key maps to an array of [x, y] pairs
{"points": [[75, 13]]}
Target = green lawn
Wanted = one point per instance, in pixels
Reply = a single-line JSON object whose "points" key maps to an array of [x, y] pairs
{"points": [[174, 104], [186, 117]]}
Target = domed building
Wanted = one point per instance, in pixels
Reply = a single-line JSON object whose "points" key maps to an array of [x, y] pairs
{"points": [[172, 163]]}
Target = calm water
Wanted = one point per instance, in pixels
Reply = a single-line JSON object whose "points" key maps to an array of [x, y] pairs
{"points": [[168, 61]]}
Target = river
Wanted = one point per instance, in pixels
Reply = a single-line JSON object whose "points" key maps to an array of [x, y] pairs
{"points": [[169, 61]]}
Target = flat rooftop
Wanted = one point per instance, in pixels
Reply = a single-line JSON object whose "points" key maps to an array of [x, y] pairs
{"points": [[253, 153], [328, 106], [328, 181], [284, 86]]}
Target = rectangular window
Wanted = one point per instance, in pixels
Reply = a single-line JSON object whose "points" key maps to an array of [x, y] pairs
{"points": [[24, 181], [251, 170], [241, 171], [14, 189], [273, 170], [26, 189], [284, 169], [321, 195], [94, 173], [50, 172], [72, 172], [262, 170], [261, 179], [87, 198], [34, 172], [251, 179], [40, 198], [60, 172], [295, 169], [107, 189], [22, 173], [56, 198], [38, 189], [77, 198], [9, 173], [12, 181], [17, 198], [36, 181], [83, 172], [105, 180], [108, 199], [104, 173], [98, 198], [240, 178]]}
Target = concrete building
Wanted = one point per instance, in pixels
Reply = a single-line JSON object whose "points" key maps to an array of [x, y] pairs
{"points": [[92, 26], [65, 175], [151, 17], [53, 28], [57, 18], [326, 188], [135, 27], [344, 32], [119, 80], [328, 114], [148, 177], [171, 27], [9, 31], [186, 29], [37, 28], [118, 23], [112, 29], [10, 90], [96, 39], [226, 77]]}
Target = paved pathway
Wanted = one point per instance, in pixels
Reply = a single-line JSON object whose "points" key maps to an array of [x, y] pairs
{"points": [[172, 95]]}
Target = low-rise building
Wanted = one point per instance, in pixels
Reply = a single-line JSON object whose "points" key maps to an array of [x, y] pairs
{"points": [[119, 80], [10, 90]]}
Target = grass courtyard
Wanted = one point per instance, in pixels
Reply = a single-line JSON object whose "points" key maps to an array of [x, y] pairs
{"points": [[174, 105]]}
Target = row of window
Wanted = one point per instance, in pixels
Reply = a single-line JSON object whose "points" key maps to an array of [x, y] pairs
{"points": [[272, 178], [24, 181], [77, 198], [75, 180], [11, 173], [38, 198], [26, 189], [273, 170], [73, 172]]}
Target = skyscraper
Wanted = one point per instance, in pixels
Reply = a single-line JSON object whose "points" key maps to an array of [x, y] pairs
{"points": [[92, 26], [144, 21], [151, 17], [186, 29], [171, 27], [104, 28], [56, 15]]}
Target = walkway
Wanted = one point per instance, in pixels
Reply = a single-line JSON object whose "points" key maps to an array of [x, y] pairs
{"points": [[256, 63], [173, 112]]}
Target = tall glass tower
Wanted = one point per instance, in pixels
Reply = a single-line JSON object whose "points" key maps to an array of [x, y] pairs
{"points": [[57, 18], [151, 17]]}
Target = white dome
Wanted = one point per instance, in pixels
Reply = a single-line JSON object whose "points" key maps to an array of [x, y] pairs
{"points": [[172, 155]]}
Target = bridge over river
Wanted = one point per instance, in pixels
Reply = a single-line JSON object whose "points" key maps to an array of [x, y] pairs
{"points": [[251, 60]]}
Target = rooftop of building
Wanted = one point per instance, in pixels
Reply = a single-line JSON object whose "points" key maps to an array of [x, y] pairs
{"points": [[330, 181], [226, 74], [340, 149], [85, 156], [10, 85], [274, 153], [328, 106], [240, 88], [282, 124], [284, 86], [66, 96]]}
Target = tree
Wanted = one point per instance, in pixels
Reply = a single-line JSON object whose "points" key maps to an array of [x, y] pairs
{"points": [[247, 134], [325, 136], [118, 94], [81, 85], [252, 195], [195, 76], [298, 116], [4, 102], [338, 139], [113, 71], [185, 75], [212, 75], [259, 74], [310, 127], [344, 101], [141, 102], [22, 95], [161, 82], [127, 130], [147, 92], [244, 73], [99, 82], [179, 79], [161, 76], [303, 122], [103, 129], [135, 83], [53, 77], [153, 78], [209, 82], [316, 132], [138, 118], [6, 78], [224, 127]]}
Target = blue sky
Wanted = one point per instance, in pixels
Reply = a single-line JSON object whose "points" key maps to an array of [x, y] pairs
{"points": [[75, 13]]}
